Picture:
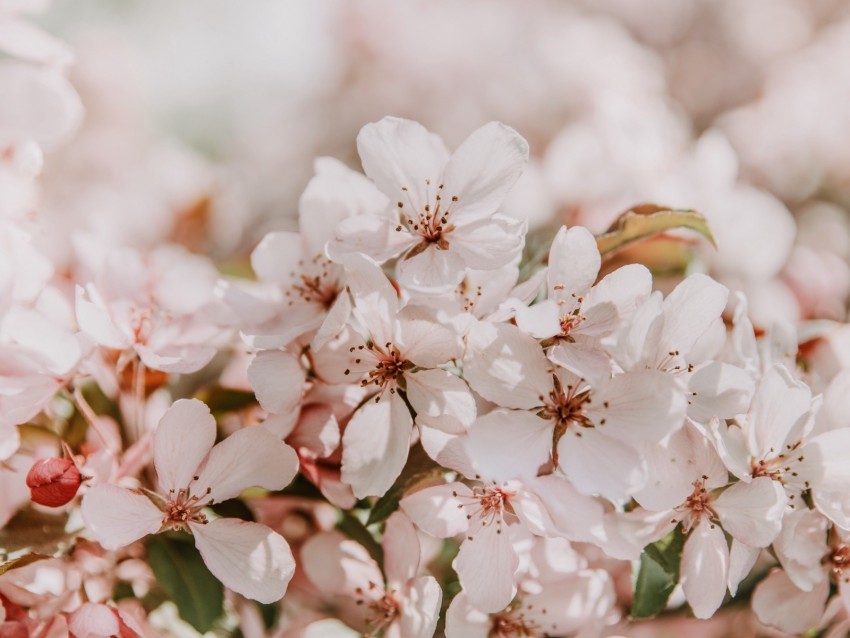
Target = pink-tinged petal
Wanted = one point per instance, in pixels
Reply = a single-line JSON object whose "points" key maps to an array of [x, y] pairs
{"points": [[431, 271], [116, 517], [778, 603], [506, 444], [318, 430], [371, 235], [485, 566], [779, 412], [435, 509], [401, 551], [826, 460], [705, 569], [506, 366], [577, 602], [247, 458], [574, 263], [277, 258], [719, 390], [801, 545], [541, 321], [584, 360], [281, 425], [248, 558], [689, 312], [375, 445], [92, 620], [465, 621], [449, 450], [483, 169], [420, 609], [423, 340], [752, 512], [375, 300], [183, 438], [401, 154], [834, 504], [742, 558], [624, 289], [441, 400], [488, 244], [338, 565], [176, 359], [533, 514], [599, 464], [95, 321], [334, 322], [638, 340], [576, 516], [278, 380], [640, 406]]}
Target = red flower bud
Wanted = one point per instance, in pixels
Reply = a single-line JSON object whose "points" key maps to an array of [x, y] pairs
{"points": [[53, 482]]}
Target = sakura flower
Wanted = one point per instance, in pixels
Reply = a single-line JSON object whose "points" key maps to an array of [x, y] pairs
{"points": [[577, 313], [395, 351], [594, 432], [248, 557], [443, 207], [405, 604], [506, 502]]}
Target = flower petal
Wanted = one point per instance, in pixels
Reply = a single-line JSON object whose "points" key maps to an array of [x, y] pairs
{"points": [[441, 399], [574, 263], [248, 558], [436, 510], [401, 551], [278, 380], [485, 566], [778, 603], [507, 444], [689, 312], [183, 438], [752, 512], [488, 244], [117, 517], [276, 259], [420, 609], [249, 457], [705, 567], [483, 169], [599, 464], [430, 271], [375, 445]]}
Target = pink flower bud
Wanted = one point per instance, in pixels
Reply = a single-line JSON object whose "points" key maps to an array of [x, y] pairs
{"points": [[53, 482]]}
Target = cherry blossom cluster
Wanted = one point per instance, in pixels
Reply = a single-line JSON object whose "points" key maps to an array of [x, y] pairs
{"points": [[413, 416]]}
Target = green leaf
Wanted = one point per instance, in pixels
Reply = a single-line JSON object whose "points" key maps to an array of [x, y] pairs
{"points": [[181, 572], [647, 220], [658, 575], [21, 561]]}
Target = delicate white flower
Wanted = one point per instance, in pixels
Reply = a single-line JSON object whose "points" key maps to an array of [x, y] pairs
{"points": [[193, 474]]}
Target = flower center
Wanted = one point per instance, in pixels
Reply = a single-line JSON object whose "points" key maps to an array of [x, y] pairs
{"points": [[513, 624], [840, 562], [565, 408], [182, 508], [316, 284], [697, 505], [431, 223], [783, 468], [486, 505], [382, 611]]}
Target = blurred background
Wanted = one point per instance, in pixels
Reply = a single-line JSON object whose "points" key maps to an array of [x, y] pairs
{"points": [[202, 118]]}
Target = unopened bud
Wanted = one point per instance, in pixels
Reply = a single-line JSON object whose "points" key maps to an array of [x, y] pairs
{"points": [[53, 482]]}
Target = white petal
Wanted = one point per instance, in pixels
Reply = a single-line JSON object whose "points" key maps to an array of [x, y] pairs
{"points": [[705, 568], [401, 550], [575, 515], [423, 340], [672, 471], [507, 444], [183, 438], [624, 288], [719, 389], [742, 557], [334, 322], [574, 263], [826, 460], [583, 360], [95, 321], [276, 259], [541, 321], [506, 366], [371, 235], [488, 244], [640, 406], [449, 450], [398, 154], [483, 169], [116, 517], [375, 300], [278, 380], [752, 512], [338, 565], [375, 445], [465, 621], [441, 400], [599, 464], [778, 414], [485, 566], [420, 609], [435, 509], [248, 558], [249, 457], [778, 603], [176, 359], [431, 271], [689, 311]]}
